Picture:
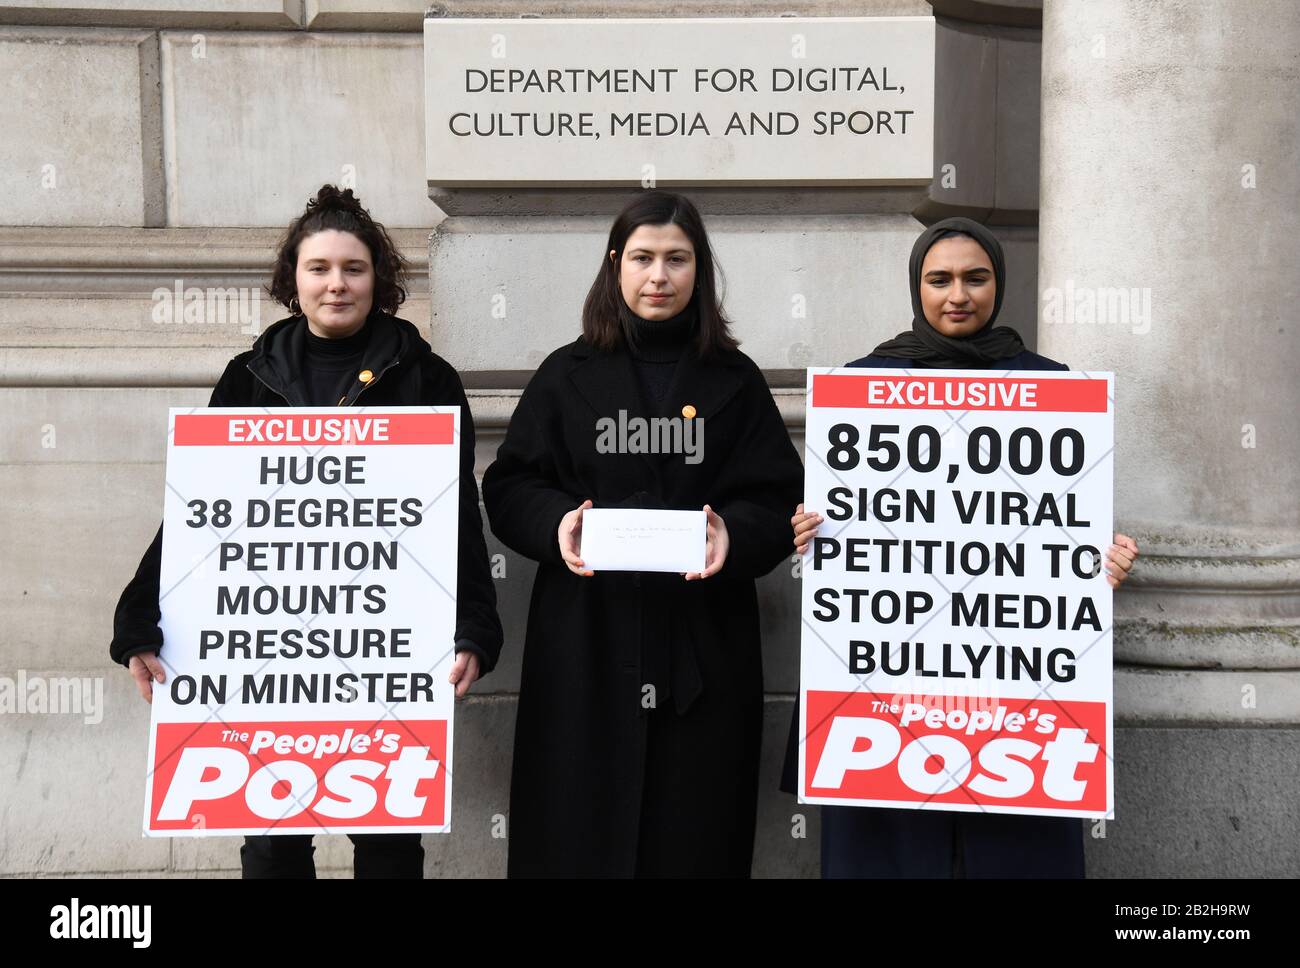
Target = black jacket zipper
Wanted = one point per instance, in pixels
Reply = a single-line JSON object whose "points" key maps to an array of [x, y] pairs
{"points": [[377, 378], [249, 368]]}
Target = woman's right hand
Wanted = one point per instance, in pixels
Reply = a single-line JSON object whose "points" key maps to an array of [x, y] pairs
{"points": [[805, 528], [144, 666], [570, 537]]}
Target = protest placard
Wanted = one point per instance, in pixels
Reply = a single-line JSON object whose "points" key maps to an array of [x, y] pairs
{"points": [[308, 611], [956, 620]]}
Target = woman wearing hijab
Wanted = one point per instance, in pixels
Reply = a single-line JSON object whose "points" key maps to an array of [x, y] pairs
{"points": [[342, 279], [958, 276], [641, 701]]}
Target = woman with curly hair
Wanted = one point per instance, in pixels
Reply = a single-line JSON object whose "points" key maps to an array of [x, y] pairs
{"points": [[342, 279]]}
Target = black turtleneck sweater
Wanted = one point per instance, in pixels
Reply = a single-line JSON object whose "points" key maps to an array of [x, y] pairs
{"points": [[655, 347], [331, 366]]}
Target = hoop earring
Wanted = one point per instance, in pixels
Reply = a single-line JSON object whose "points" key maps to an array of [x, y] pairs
{"points": [[295, 307]]}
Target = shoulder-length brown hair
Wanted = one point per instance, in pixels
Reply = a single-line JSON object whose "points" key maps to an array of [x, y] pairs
{"points": [[604, 309], [341, 210]]}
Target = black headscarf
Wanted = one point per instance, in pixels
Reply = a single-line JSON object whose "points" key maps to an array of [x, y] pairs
{"points": [[927, 345]]}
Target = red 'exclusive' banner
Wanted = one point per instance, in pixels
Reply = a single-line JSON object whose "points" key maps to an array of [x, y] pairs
{"points": [[260, 429]]}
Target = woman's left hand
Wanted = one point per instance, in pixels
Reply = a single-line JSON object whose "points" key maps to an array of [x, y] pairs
{"points": [[717, 543], [1119, 559], [463, 672]]}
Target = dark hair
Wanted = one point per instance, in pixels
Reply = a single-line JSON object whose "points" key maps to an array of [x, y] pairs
{"points": [[604, 310], [341, 210]]}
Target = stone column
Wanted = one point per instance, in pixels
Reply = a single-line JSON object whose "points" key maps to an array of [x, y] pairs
{"points": [[1170, 213]]}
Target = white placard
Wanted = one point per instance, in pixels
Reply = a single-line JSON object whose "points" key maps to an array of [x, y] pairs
{"points": [[956, 645], [308, 610]]}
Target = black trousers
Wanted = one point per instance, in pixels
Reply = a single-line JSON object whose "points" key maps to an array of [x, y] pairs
{"points": [[373, 855], [879, 842]]}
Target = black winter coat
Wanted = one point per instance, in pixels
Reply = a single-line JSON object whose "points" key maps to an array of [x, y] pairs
{"points": [[582, 782], [406, 373]]}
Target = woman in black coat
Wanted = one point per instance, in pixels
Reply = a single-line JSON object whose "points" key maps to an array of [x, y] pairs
{"points": [[640, 709], [341, 276], [957, 274]]}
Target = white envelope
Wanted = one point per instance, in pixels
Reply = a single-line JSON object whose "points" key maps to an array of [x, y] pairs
{"points": [[631, 539]]}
